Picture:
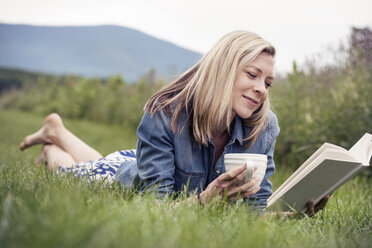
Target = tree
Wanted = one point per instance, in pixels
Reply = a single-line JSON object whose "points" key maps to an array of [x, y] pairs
{"points": [[360, 52]]}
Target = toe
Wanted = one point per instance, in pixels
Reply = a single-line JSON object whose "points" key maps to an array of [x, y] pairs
{"points": [[23, 145]]}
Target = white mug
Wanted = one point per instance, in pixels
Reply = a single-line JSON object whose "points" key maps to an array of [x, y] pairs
{"points": [[234, 160]]}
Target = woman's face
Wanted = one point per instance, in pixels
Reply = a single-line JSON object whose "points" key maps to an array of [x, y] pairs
{"points": [[252, 84]]}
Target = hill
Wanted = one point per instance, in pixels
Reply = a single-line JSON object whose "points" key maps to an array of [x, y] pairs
{"points": [[92, 51]]}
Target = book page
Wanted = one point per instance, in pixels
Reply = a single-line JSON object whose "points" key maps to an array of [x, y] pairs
{"points": [[363, 149]]}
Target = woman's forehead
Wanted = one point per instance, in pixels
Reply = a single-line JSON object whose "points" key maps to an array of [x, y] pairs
{"points": [[263, 63]]}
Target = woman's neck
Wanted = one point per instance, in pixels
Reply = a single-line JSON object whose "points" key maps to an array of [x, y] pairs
{"points": [[221, 131], [220, 140]]}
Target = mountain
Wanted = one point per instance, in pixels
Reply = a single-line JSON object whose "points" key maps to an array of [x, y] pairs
{"points": [[92, 51]]}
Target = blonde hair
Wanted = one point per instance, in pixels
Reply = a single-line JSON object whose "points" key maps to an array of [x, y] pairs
{"points": [[205, 90]]}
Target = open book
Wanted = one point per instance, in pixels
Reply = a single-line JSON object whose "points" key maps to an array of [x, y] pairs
{"points": [[321, 174]]}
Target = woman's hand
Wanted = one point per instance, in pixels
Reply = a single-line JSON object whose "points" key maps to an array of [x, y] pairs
{"points": [[229, 185], [313, 209]]}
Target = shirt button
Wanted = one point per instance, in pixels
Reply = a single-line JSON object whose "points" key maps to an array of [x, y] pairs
{"points": [[218, 171]]}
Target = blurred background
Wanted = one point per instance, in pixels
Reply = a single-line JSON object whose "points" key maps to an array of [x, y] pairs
{"points": [[101, 60]]}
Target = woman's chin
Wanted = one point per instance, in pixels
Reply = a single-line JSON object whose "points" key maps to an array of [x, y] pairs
{"points": [[245, 115]]}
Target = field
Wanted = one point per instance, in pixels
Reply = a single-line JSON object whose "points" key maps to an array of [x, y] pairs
{"points": [[41, 209]]}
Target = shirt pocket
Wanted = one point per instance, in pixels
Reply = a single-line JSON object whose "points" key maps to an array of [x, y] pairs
{"points": [[192, 181]]}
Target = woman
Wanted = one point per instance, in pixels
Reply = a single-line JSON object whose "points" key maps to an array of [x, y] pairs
{"points": [[218, 106]]}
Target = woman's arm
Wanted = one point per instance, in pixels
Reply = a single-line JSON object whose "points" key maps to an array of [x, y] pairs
{"points": [[155, 153]]}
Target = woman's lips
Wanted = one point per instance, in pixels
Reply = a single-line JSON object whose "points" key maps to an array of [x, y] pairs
{"points": [[251, 101]]}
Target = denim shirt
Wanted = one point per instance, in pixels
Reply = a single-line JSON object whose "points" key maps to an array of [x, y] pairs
{"points": [[170, 160]]}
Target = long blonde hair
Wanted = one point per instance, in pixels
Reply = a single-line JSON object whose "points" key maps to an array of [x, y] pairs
{"points": [[204, 91]]}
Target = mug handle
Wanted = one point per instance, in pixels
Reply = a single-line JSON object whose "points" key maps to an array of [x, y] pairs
{"points": [[250, 169]]}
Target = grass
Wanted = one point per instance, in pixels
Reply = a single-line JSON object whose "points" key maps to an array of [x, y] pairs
{"points": [[40, 209]]}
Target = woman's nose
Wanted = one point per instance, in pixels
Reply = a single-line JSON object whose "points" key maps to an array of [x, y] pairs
{"points": [[260, 87]]}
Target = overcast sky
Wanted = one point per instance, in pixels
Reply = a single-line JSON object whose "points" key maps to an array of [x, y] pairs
{"points": [[298, 29]]}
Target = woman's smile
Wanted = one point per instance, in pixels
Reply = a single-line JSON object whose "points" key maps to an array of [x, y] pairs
{"points": [[251, 101], [251, 86]]}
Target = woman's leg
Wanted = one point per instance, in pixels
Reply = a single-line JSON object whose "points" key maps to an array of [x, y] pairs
{"points": [[54, 132], [56, 157], [96, 170]]}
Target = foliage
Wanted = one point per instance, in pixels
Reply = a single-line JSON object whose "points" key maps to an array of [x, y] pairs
{"points": [[12, 78], [109, 101], [16, 78], [42, 209], [330, 104], [360, 52]]}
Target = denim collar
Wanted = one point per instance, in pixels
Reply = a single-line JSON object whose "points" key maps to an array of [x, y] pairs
{"points": [[238, 131]]}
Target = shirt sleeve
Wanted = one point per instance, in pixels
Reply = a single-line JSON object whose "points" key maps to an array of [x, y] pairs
{"points": [[259, 200], [155, 154]]}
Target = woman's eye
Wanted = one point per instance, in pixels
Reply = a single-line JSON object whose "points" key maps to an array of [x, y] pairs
{"points": [[252, 75], [268, 84]]}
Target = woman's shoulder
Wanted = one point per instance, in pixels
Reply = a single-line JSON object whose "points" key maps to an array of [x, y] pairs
{"points": [[166, 113], [163, 117]]}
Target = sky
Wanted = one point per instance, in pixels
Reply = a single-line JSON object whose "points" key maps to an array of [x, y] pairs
{"points": [[298, 29]]}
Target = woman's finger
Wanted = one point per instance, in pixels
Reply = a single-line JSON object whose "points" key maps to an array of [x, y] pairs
{"points": [[246, 194], [233, 184], [236, 180], [251, 192], [249, 184], [322, 203], [226, 181], [243, 188], [227, 176], [310, 208]]}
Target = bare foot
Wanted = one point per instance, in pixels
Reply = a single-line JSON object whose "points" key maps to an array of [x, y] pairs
{"points": [[45, 135]]}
